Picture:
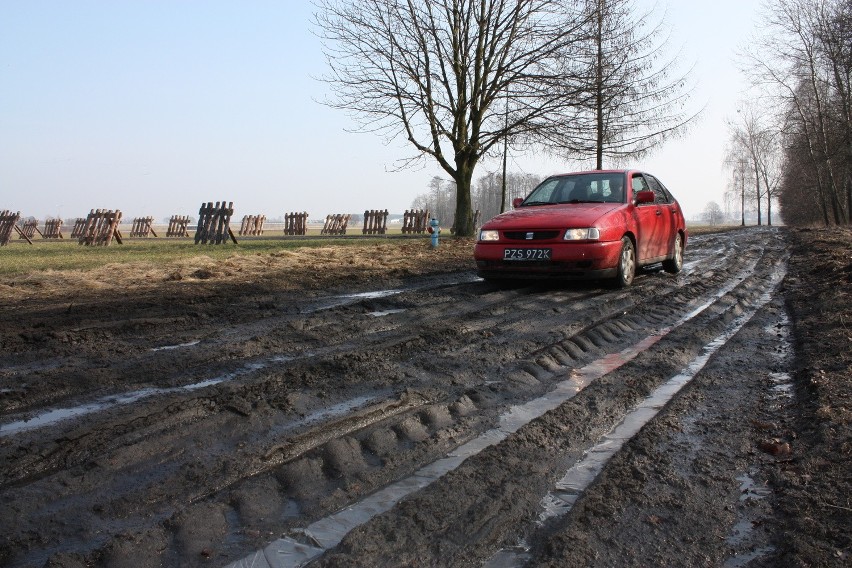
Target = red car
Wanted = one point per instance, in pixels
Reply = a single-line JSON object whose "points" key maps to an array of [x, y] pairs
{"points": [[597, 224]]}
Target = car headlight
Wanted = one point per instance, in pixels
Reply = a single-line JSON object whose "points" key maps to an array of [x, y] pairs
{"points": [[589, 234], [489, 235]]}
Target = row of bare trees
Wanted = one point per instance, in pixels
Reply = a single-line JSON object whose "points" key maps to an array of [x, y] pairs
{"points": [[460, 80], [794, 145], [487, 195]]}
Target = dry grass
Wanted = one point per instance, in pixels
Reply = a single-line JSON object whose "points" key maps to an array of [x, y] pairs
{"points": [[61, 269]]}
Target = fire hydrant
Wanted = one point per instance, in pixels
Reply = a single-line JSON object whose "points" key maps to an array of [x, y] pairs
{"points": [[434, 230]]}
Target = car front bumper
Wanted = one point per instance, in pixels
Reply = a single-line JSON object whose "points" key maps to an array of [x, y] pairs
{"points": [[586, 260]]}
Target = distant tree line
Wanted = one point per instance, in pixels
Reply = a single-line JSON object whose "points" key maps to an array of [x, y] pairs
{"points": [[794, 145], [487, 195]]}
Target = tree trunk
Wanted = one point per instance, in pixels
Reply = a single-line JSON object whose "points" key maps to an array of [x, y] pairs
{"points": [[757, 188], [599, 118], [464, 207], [768, 208], [742, 194], [849, 191]]}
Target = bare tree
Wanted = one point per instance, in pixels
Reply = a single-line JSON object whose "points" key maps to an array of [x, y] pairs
{"points": [[803, 61], [634, 96], [488, 193], [756, 139], [713, 214], [432, 73], [736, 195]]}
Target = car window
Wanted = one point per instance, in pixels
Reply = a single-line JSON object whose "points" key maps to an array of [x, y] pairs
{"points": [[545, 192], [669, 197], [612, 189], [584, 188], [639, 184], [661, 195]]}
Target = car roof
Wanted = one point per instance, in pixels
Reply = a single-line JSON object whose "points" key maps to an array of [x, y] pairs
{"points": [[613, 171]]}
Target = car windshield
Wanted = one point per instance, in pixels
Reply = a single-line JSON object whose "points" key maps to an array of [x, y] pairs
{"points": [[579, 188]]}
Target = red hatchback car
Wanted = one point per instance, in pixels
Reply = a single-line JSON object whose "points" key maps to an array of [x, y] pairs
{"points": [[597, 224]]}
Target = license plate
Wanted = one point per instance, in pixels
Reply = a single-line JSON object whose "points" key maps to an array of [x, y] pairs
{"points": [[526, 254]]}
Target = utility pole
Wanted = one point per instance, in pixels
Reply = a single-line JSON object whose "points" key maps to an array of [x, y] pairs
{"points": [[505, 153]]}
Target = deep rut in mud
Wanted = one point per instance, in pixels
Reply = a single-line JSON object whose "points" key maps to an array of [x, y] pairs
{"points": [[235, 432]]}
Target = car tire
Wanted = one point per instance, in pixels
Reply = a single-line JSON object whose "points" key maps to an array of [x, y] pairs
{"points": [[675, 264], [626, 264]]}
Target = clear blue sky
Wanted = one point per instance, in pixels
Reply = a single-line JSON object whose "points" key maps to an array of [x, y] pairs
{"points": [[154, 107]]}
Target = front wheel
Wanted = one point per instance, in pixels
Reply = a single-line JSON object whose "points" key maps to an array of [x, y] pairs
{"points": [[626, 264], [675, 264]]}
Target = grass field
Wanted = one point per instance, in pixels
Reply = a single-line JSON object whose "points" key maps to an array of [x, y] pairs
{"points": [[19, 257]]}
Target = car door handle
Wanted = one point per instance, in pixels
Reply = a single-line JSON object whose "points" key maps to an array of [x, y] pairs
{"points": [[659, 212]]}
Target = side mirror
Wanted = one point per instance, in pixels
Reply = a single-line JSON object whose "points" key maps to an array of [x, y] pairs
{"points": [[517, 201], [645, 197]]}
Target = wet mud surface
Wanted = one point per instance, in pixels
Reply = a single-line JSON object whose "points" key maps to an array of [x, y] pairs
{"points": [[217, 414]]}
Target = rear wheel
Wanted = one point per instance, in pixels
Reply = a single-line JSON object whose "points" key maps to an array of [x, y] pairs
{"points": [[626, 264], [673, 265]]}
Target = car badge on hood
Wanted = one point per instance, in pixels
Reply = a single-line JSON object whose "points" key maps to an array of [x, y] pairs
{"points": [[530, 236]]}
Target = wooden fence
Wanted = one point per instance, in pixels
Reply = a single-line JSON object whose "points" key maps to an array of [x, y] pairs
{"points": [[214, 223], [415, 221], [52, 229], [375, 222], [100, 227], [335, 224], [29, 229], [296, 223], [252, 225], [8, 224], [142, 227], [79, 225], [178, 225]]}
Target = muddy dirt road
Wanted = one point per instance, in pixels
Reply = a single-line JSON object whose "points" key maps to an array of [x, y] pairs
{"points": [[413, 415]]}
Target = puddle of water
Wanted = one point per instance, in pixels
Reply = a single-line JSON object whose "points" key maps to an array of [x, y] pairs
{"points": [[59, 414], [179, 346], [743, 531], [332, 302], [303, 545], [349, 299], [326, 413], [750, 490], [741, 560], [383, 313], [782, 385], [510, 557]]}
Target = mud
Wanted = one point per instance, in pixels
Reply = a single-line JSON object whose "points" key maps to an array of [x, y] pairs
{"points": [[204, 413]]}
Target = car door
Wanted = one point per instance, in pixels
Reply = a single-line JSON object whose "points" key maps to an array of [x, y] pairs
{"points": [[647, 220], [665, 216]]}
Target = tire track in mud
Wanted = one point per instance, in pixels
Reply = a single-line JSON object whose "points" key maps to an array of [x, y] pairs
{"points": [[325, 533], [462, 352], [464, 517]]}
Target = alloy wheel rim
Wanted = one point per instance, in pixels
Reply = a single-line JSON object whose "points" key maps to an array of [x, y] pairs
{"points": [[627, 264], [678, 257]]}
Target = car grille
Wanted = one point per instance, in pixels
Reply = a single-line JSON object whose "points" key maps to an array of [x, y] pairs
{"points": [[536, 235]]}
